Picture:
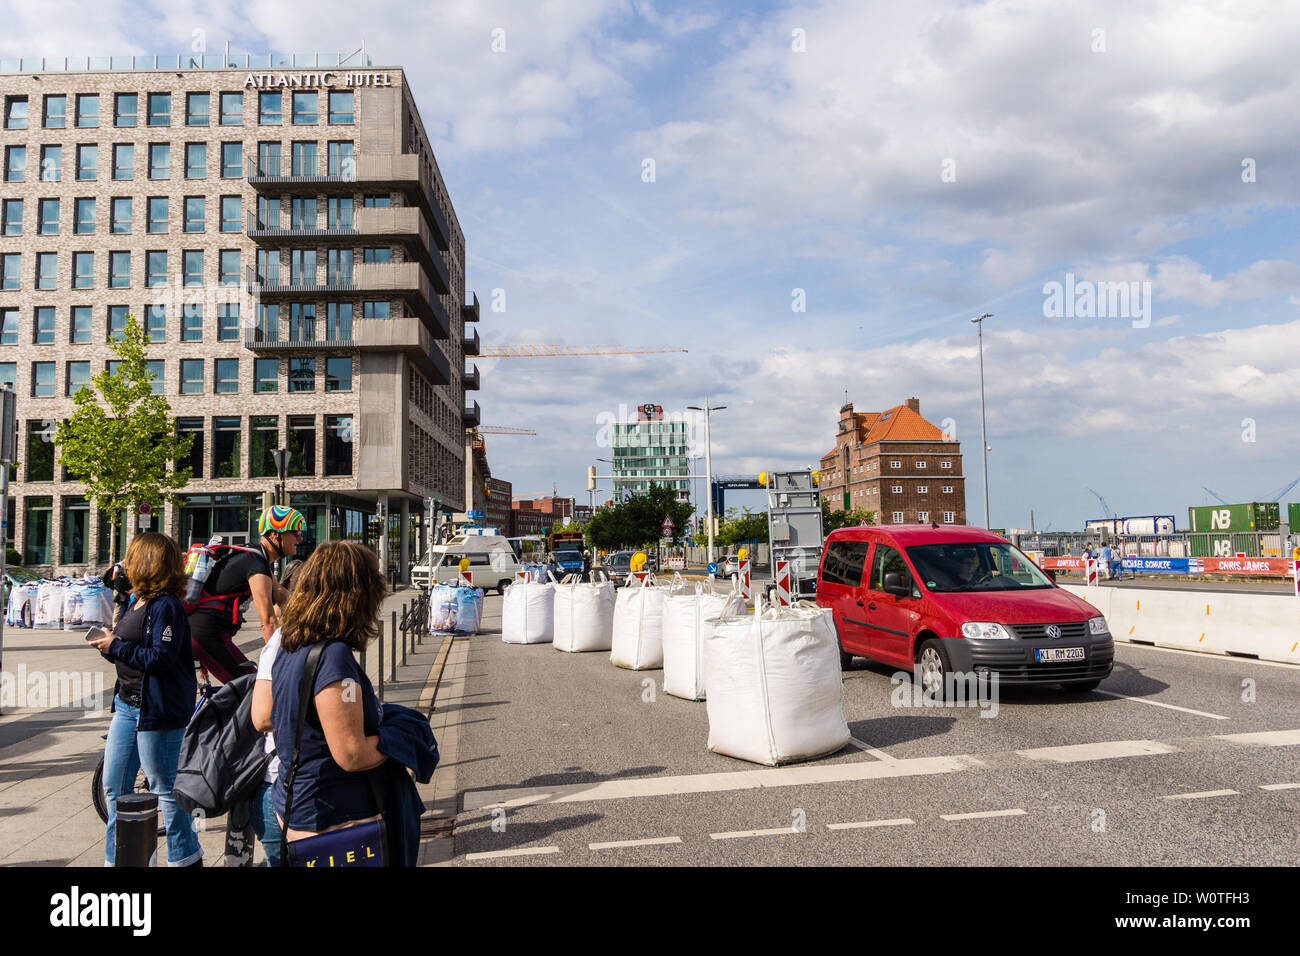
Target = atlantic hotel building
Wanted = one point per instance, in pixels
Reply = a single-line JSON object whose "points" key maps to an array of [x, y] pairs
{"points": [[280, 228]]}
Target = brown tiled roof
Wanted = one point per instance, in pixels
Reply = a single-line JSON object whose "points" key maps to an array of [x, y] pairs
{"points": [[900, 423]]}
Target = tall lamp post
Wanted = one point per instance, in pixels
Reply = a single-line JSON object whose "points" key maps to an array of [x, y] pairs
{"points": [[984, 444], [708, 465]]}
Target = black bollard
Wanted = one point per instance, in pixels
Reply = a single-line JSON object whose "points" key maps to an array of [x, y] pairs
{"points": [[380, 642], [392, 637], [135, 842], [404, 610]]}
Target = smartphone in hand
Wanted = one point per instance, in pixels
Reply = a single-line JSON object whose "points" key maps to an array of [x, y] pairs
{"points": [[95, 633]]}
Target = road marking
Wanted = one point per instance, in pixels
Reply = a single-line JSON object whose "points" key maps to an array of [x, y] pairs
{"points": [[1265, 738], [653, 841], [867, 748], [982, 814], [523, 851], [1157, 703], [1201, 795], [738, 834], [1279, 786], [901, 822], [1072, 753]]}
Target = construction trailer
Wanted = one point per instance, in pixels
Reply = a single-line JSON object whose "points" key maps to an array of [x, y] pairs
{"points": [[794, 528]]}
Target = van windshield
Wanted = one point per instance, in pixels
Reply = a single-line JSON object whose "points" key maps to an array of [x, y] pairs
{"points": [[975, 566]]}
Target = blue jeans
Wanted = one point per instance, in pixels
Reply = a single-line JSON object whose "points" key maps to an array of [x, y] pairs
{"points": [[158, 752], [265, 825]]}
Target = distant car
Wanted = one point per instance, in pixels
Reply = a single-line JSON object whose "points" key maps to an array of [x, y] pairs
{"points": [[728, 565], [566, 562]]}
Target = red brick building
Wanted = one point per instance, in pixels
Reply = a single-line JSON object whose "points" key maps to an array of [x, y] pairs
{"points": [[539, 515], [896, 464]]}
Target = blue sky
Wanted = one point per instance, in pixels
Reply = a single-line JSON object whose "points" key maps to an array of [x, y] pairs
{"points": [[911, 166]]}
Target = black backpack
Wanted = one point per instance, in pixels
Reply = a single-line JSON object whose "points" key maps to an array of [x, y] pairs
{"points": [[223, 759]]}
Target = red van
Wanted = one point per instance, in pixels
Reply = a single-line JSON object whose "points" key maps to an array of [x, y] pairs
{"points": [[952, 599]]}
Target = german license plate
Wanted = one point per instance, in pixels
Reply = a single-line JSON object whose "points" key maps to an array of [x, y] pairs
{"points": [[1046, 655]]}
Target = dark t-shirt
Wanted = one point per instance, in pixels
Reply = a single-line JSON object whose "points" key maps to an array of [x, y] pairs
{"points": [[324, 794], [130, 629], [231, 577]]}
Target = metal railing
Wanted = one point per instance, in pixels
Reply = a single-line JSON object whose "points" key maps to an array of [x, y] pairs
{"points": [[412, 624], [188, 61]]}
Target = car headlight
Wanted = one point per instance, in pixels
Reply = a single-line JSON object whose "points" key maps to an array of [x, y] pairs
{"points": [[1097, 625], [985, 630]]}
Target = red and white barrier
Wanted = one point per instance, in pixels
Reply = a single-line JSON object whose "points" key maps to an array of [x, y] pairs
{"points": [[746, 590], [1295, 573], [1091, 570], [643, 577], [466, 579], [521, 576], [782, 581]]}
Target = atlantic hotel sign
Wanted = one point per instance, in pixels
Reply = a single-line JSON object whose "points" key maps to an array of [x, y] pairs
{"points": [[307, 81]]}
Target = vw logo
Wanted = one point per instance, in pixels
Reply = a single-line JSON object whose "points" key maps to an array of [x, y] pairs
{"points": [[1053, 631]]}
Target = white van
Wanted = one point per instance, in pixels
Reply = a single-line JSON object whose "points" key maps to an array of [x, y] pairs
{"points": [[492, 563]]}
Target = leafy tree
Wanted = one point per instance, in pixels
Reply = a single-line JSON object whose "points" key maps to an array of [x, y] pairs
{"points": [[741, 528], [121, 442], [638, 522], [844, 519]]}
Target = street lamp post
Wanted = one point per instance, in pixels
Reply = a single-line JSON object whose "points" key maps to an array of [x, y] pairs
{"points": [[708, 465], [984, 444]]}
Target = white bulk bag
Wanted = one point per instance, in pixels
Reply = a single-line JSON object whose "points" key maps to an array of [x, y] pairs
{"points": [[528, 613], [638, 642], [684, 632], [584, 616], [49, 605], [774, 685]]}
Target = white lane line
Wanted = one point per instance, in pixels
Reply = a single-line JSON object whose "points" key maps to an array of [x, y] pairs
{"points": [[1201, 795], [1279, 786], [863, 824], [982, 814], [1265, 738], [523, 851], [653, 841], [1157, 703], [738, 834], [1104, 750], [867, 748]]}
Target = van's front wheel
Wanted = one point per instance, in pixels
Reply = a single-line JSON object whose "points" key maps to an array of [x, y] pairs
{"points": [[501, 587], [934, 669]]}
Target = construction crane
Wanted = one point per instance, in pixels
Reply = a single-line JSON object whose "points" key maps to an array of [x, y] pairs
{"points": [[1213, 494], [539, 351], [504, 430], [1104, 507], [1282, 494]]}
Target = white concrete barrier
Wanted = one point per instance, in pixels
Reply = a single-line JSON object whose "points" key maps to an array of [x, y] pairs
{"points": [[1266, 625]]}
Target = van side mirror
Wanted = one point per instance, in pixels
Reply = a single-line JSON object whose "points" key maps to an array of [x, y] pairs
{"points": [[894, 584]]}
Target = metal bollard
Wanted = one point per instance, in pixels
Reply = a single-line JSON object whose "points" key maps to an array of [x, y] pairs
{"points": [[392, 636], [381, 661], [135, 842]]}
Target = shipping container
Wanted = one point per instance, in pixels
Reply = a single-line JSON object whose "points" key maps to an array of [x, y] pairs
{"points": [[1140, 525], [1255, 516], [1223, 545], [1293, 516]]}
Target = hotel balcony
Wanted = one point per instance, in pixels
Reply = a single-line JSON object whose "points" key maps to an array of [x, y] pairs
{"points": [[469, 312], [470, 380], [472, 417], [406, 334], [470, 346]]}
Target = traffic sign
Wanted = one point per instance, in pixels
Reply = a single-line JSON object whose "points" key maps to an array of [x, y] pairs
{"points": [[668, 526], [146, 508], [713, 567]]}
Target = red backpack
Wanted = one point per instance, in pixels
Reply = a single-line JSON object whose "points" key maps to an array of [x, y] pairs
{"points": [[224, 603]]}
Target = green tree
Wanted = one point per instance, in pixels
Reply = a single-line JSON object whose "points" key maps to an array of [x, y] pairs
{"points": [[742, 528], [638, 522], [844, 519], [121, 441]]}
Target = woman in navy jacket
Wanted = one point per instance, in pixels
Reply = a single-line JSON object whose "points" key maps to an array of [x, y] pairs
{"points": [[155, 692]]}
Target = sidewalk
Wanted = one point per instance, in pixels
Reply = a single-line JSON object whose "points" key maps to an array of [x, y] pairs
{"points": [[48, 755]]}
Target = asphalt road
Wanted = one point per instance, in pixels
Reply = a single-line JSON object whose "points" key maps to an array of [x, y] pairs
{"points": [[561, 754]]}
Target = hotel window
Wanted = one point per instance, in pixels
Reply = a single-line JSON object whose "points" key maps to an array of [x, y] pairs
{"points": [[192, 427], [191, 376], [269, 106], [338, 212], [195, 214], [266, 375], [231, 210], [303, 159], [15, 164], [338, 444], [88, 110], [340, 107], [898, 517], [228, 267], [83, 270], [37, 521], [338, 267], [338, 374], [47, 220], [192, 267], [78, 377], [43, 385], [192, 323], [375, 310], [116, 322], [123, 161], [196, 160], [949, 517], [263, 438], [302, 324], [158, 370], [160, 161], [945, 464], [302, 375], [83, 217], [159, 214], [302, 213], [896, 489], [13, 264], [947, 489], [155, 323], [79, 325], [51, 163], [196, 109], [226, 376], [268, 213], [119, 270], [920, 465], [56, 111], [43, 325], [341, 160], [87, 162], [160, 109], [8, 326], [338, 322], [119, 216], [895, 464], [225, 447], [923, 517], [232, 156], [268, 324], [155, 268], [126, 107], [377, 255], [378, 202], [15, 112], [268, 266], [301, 443], [47, 270], [922, 489], [232, 109], [304, 109], [302, 267], [268, 158], [13, 217], [228, 322]]}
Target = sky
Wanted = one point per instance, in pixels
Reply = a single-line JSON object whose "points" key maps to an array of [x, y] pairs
{"points": [[814, 199]]}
